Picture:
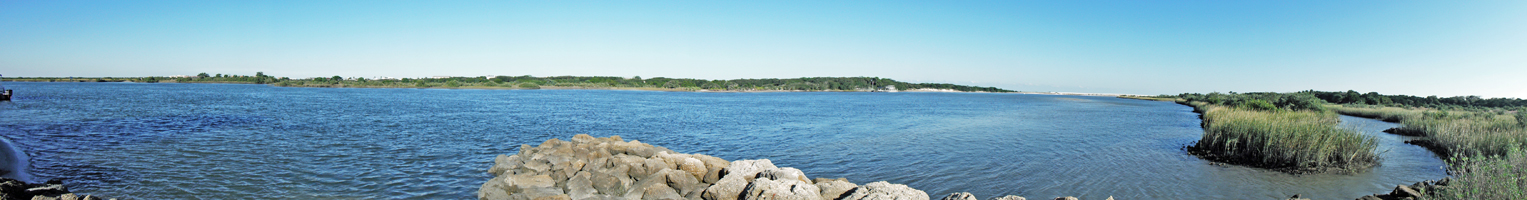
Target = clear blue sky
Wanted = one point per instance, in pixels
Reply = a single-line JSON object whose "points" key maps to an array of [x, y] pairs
{"points": [[1445, 48]]}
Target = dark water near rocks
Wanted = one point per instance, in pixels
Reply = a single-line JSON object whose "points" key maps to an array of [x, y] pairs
{"points": [[221, 141]]}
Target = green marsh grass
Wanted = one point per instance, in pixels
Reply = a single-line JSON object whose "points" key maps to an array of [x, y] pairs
{"points": [[1452, 132], [1484, 149], [1294, 141], [1486, 177]]}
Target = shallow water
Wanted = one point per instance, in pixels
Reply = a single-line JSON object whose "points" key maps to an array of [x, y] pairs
{"points": [[158, 141]]}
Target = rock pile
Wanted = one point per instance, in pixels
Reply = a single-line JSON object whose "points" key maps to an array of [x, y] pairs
{"points": [[12, 189], [614, 169], [1410, 192]]}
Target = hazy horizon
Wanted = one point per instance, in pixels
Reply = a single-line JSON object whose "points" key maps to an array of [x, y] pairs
{"points": [[1410, 48]]}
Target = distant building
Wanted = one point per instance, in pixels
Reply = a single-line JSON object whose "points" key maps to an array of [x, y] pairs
{"points": [[181, 76], [439, 77]]}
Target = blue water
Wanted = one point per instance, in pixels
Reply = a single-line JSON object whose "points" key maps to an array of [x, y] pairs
{"points": [[221, 141]]}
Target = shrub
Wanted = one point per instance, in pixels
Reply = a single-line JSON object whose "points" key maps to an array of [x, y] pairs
{"points": [[452, 83], [1258, 104], [529, 86]]}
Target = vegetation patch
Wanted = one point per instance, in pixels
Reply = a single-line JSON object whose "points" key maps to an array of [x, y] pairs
{"points": [[1286, 132]]}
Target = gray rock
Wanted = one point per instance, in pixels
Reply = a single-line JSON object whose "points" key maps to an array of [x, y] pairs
{"points": [[785, 189], [784, 173], [1066, 198], [1010, 197], [535, 193], [608, 184], [580, 186], [504, 163], [729, 188], [886, 191], [554, 197], [1401, 191], [834, 188], [694, 167], [748, 169], [960, 196]]}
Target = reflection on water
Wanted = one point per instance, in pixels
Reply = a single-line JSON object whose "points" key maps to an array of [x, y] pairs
{"points": [[156, 141]]}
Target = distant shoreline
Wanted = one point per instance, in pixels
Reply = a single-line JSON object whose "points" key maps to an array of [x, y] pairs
{"points": [[810, 84]]}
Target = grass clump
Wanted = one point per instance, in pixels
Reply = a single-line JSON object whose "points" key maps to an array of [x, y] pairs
{"points": [[1285, 140]]}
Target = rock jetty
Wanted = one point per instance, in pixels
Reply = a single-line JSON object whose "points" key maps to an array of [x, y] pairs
{"points": [[12, 189], [589, 168]]}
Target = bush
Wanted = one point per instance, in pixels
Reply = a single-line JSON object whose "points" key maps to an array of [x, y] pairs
{"points": [[1258, 104], [452, 83], [529, 86]]}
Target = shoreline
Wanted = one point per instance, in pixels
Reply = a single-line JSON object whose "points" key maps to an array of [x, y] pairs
{"points": [[617, 88]]}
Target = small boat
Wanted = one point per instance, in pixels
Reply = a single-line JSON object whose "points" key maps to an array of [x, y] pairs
{"points": [[6, 94]]}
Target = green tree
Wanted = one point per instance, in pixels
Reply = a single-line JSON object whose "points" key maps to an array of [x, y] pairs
{"points": [[203, 75], [452, 83]]}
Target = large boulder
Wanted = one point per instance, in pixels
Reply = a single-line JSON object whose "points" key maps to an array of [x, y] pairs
{"points": [[886, 191], [765, 188], [834, 188], [735, 178]]}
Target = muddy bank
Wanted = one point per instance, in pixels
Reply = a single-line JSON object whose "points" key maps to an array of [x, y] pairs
{"points": [[611, 168]]}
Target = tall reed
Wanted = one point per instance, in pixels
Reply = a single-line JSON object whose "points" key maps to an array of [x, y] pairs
{"points": [[1281, 139]]}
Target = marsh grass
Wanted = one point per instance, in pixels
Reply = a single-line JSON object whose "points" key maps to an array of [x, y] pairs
{"points": [[1484, 148], [1453, 133], [1291, 141], [1486, 177]]}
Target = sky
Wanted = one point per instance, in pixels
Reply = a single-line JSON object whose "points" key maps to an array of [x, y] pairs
{"points": [[1444, 48]]}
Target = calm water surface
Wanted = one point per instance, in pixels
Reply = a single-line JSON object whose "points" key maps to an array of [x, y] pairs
{"points": [[179, 141]]}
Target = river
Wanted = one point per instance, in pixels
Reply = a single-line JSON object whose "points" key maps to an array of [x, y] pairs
{"points": [[220, 141]]}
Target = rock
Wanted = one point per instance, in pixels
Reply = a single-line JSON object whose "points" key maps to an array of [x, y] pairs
{"points": [[1295, 197], [1401, 191], [729, 188], [694, 166], [1369, 197], [735, 178], [652, 189], [886, 191], [536, 193], [69, 196], [554, 197], [580, 186], [504, 163], [784, 173], [788, 189], [834, 188], [1009, 197], [960, 196], [608, 184], [1066, 198]]}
